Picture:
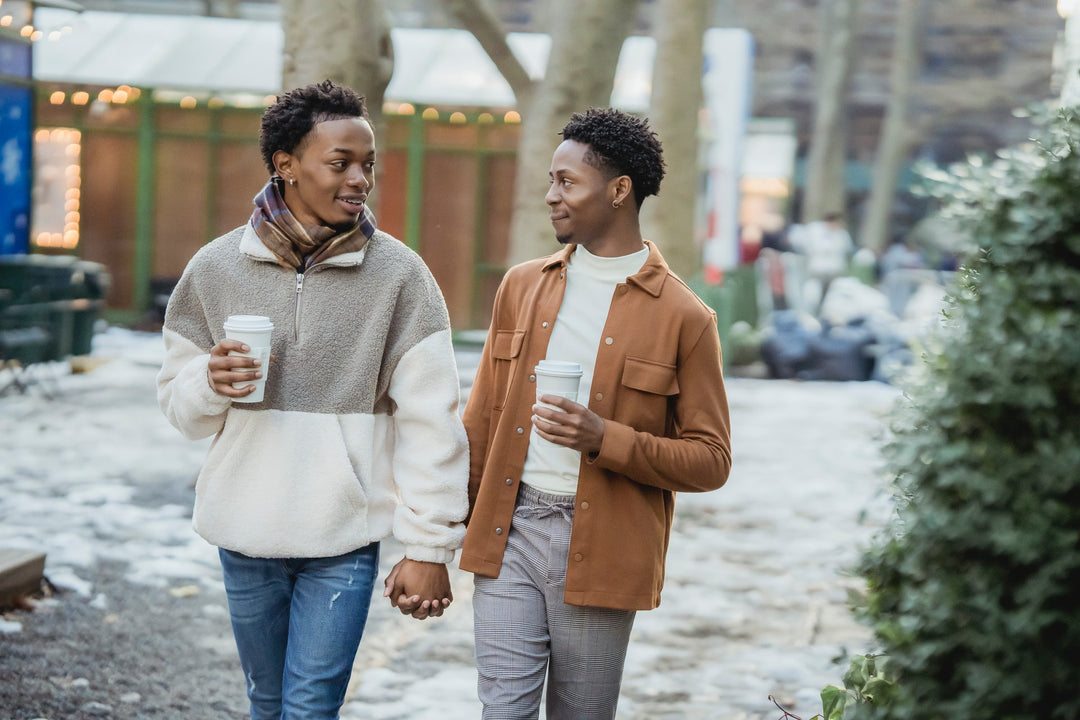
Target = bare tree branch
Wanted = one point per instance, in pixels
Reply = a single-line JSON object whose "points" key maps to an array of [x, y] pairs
{"points": [[479, 19]]}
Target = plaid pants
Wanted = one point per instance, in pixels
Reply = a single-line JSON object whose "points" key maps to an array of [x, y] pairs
{"points": [[524, 630]]}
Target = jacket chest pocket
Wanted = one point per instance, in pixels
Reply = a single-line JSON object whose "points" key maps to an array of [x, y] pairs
{"points": [[647, 396], [505, 350]]}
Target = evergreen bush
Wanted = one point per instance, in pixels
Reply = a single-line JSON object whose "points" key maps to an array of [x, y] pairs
{"points": [[974, 589]]}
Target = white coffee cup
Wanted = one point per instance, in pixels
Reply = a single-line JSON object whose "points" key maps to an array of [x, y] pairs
{"points": [[254, 331], [558, 377]]}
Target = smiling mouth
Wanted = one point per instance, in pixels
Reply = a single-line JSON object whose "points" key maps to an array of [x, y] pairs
{"points": [[355, 203]]}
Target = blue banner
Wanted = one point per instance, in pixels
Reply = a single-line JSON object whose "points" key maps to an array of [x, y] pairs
{"points": [[15, 159], [15, 57]]}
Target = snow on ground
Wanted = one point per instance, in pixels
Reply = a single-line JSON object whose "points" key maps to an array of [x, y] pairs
{"points": [[755, 602]]}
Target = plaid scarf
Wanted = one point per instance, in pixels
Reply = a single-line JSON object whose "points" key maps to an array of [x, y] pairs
{"points": [[298, 247]]}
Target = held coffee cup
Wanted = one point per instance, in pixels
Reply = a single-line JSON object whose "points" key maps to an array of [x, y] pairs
{"points": [[254, 331], [558, 377]]}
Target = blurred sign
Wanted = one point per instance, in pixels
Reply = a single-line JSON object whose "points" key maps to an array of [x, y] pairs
{"points": [[727, 84], [14, 57], [15, 157]]}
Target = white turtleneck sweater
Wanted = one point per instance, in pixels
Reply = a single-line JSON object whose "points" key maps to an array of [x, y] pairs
{"points": [[590, 284]]}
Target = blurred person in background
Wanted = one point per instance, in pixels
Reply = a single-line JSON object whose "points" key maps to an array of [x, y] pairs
{"points": [[827, 246]]}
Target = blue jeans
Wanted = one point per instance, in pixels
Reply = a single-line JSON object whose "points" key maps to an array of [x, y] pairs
{"points": [[298, 624]]}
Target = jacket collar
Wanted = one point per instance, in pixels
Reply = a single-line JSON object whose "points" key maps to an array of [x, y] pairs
{"points": [[649, 278], [253, 247]]}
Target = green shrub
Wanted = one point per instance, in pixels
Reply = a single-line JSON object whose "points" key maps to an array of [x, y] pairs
{"points": [[974, 591]]}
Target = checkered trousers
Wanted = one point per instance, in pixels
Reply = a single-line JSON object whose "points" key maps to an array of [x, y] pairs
{"points": [[525, 631]]}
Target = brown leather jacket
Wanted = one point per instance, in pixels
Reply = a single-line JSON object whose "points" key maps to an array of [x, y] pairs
{"points": [[658, 384]]}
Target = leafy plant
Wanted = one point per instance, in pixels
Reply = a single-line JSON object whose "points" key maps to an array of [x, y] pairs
{"points": [[868, 680], [973, 590]]}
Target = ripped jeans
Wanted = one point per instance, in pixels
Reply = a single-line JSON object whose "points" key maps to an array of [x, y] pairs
{"points": [[298, 624]]}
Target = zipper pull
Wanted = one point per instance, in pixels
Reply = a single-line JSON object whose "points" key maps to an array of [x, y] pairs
{"points": [[296, 310]]}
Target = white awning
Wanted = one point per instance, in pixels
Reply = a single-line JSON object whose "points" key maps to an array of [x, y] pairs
{"points": [[221, 55]]}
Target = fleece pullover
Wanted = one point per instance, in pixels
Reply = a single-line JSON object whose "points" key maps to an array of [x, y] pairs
{"points": [[358, 436]]}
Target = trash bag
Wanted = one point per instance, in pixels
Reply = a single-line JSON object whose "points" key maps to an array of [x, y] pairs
{"points": [[841, 353], [785, 345]]}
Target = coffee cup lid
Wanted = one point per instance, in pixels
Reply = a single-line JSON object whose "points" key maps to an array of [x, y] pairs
{"points": [[562, 368], [248, 323]]}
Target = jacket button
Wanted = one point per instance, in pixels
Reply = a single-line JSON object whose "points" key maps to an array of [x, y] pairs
{"points": [[509, 481], [609, 340], [532, 378], [584, 504], [544, 324], [578, 557], [520, 431], [498, 531], [599, 396]]}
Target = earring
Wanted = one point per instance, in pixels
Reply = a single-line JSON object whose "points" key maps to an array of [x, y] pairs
{"points": [[292, 181], [615, 204]]}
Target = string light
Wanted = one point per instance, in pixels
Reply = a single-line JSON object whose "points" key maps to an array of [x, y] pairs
{"points": [[58, 212]]}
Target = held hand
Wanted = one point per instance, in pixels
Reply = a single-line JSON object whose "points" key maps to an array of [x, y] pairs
{"points": [[573, 425], [420, 589], [225, 369]]}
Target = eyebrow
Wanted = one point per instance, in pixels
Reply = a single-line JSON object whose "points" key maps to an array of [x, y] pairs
{"points": [[346, 151]]}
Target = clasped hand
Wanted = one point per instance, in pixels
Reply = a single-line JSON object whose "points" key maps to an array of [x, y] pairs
{"points": [[420, 589]]}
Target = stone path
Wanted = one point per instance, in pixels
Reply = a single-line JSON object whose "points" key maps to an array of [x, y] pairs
{"points": [[755, 602], [756, 599]]}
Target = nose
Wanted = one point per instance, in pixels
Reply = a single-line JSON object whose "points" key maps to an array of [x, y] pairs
{"points": [[358, 178], [552, 195]]}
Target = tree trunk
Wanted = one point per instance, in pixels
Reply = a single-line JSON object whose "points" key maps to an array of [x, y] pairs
{"points": [[895, 138], [825, 187], [669, 219], [347, 41], [587, 38]]}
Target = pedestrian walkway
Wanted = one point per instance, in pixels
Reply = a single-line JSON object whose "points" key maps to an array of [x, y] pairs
{"points": [[755, 602], [756, 599]]}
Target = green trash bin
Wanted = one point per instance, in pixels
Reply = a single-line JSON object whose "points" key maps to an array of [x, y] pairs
{"points": [[89, 284]]}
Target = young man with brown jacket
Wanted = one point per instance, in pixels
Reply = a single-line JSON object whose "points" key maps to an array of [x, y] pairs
{"points": [[571, 503]]}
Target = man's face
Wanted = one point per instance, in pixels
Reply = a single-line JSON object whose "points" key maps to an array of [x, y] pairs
{"points": [[580, 196], [334, 170]]}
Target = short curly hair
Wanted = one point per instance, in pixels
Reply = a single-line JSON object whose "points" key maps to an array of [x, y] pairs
{"points": [[286, 123], [621, 144]]}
